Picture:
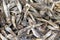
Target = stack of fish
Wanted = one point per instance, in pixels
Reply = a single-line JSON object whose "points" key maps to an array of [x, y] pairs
{"points": [[29, 19]]}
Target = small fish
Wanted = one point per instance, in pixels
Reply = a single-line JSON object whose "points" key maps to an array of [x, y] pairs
{"points": [[39, 39], [31, 1], [3, 32], [10, 36], [40, 29], [47, 34], [42, 12], [18, 18], [39, 1], [30, 21], [28, 27], [8, 29], [19, 5], [52, 37], [52, 28], [13, 21], [11, 5], [2, 37], [6, 10], [15, 12], [57, 6], [15, 9], [31, 16], [24, 22], [28, 31], [51, 23], [26, 8], [52, 7], [35, 33], [15, 38], [35, 13]]}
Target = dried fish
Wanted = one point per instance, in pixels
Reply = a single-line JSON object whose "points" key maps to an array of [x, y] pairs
{"points": [[11, 5], [3, 32], [52, 37], [2, 37], [40, 29], [29, 19], [29, 27], [15, 9], [6, 10], [15, 12], [35, 11], [15, 38], [39, 1], [18, 19], [13, 21], [51, 23], [8, 29], [42, 13], [23, 2], [47, 34], [52, 28], [35, 33], [27, 7], [31, 1], [19, 5], [39, 39], [24, 22], [52, 6], [31, 22], [31, 16], [10, 36]]}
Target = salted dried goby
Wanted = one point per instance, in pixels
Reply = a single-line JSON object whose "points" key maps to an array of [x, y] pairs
{"points": [[39, 1], [15, 9], [19, 5], [27, 7], [35, 12], [4, 32], [39, 39], [25, 10], [31, 16], [18, 18], [10, 36], [31, 22], [2, 37], [28, 27], [8, 29], [51, 23], [47, 34], [31, 1], [13, 21], [35, 33], [52, 28], [6, 10], [11, 5], [15, 12], [52, 36]]}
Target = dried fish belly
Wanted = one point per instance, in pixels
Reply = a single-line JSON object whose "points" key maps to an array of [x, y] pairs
{"points": [[29, 19]]}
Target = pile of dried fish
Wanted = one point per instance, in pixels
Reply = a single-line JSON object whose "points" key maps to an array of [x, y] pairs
{"points": [[29, 19]]}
